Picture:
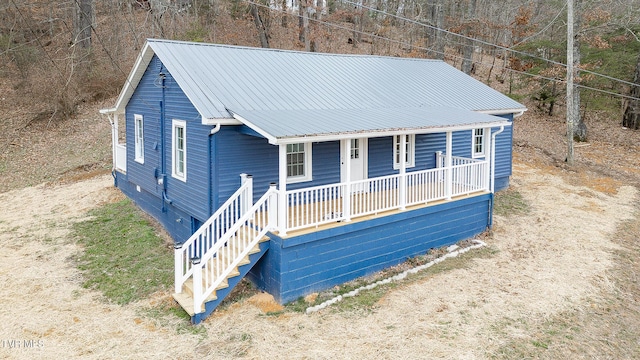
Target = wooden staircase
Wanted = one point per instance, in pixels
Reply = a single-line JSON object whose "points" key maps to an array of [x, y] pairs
{"points": [[223, 250], [185, 298]]}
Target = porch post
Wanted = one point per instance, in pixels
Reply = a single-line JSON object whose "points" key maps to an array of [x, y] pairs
{"points": [[448, 173], [114, 137], [346, 197], [402, 191], [488, 159], [282, 193]]}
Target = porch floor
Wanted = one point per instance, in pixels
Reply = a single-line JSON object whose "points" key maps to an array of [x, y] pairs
{"points": [[302, 211]]}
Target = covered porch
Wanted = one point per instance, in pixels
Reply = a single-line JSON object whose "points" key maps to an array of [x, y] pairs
{"points": [[309, 208], [303, 209]]}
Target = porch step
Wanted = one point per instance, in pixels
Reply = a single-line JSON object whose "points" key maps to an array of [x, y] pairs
{"points": [[185, 298]]}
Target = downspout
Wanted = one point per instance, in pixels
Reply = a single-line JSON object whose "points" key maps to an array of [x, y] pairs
{"points": [[211, 170], [215, 129], [493, 172], [163, 156], [493, 157]]}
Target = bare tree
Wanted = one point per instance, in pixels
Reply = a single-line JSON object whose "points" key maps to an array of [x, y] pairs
{"points": [[631, 117], [579, 127], [467, 52], [83, 22], [262, 30]]}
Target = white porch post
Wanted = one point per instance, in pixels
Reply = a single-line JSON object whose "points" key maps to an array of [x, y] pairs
{"points": [[282, 193], [448, 174], [114, 137], [346, 197], [488, 159], [402, 191]]}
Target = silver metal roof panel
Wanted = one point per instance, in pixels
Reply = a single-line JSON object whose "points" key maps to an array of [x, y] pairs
{"points": [[247, 80], [278, 125]]}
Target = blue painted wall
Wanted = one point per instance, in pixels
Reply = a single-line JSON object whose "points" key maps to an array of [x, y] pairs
{"points": [[298, 266], [159, 99]]}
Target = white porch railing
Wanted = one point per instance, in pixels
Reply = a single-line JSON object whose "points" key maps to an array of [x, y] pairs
{"points": [[211, 231], [121, 157], [311, 207], [233, 246]]}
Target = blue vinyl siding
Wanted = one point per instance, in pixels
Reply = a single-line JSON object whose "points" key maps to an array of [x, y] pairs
{"points": [[301, 265], [381, 151], [504, 151], [238, 153], [190, 196], [160, 102], [146, 101]]}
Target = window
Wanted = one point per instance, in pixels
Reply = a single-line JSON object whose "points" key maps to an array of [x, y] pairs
{"points": [[139, 138], [478, 143], [355, 148], [298, 162], [410, 144], [179, 150]]}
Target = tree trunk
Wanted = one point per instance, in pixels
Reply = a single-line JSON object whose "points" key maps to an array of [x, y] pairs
{"points": [[570, 76], [631, 117], [467, 51], [579, 127], [83, 23], [262, 31], [434, 33], [301, 10]]}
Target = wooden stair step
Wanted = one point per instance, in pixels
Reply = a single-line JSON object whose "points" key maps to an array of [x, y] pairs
{"points": [[186, 302], [187, 288]]}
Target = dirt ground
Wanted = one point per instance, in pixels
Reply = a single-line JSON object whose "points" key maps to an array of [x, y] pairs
{"points": [[560, 261]]}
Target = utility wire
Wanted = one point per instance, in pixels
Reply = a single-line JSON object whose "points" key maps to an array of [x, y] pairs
{"points": [[454, 56], [482, 41]]}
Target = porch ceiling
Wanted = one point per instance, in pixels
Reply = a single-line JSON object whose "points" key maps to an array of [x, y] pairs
{"points": [[290, 126]]}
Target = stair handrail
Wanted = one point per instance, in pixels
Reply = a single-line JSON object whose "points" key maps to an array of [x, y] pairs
{"points": [[201, 240], [259, 218]]}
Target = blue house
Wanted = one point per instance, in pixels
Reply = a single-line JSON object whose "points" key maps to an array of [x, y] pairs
{"points": [[303, 170]]}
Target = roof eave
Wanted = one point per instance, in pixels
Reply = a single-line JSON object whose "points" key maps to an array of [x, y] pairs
{"points": [[220, 121], [517, 112], [379, 133], [142, 61]]}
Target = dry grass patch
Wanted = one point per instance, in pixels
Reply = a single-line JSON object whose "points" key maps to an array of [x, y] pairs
{"points": [[606, 325]]}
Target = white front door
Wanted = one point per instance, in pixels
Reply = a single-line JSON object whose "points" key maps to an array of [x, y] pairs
{"points": [[357, 159]]}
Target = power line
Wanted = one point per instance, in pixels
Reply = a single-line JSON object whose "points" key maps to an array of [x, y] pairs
{"points": [[459, 57], [485, 42]]}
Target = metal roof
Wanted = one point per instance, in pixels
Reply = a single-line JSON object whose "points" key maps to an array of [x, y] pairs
{"points": [[296, 125], [291, 93]]}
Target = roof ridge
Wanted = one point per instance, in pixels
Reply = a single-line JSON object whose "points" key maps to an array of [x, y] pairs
{"points": [[253, 48]]}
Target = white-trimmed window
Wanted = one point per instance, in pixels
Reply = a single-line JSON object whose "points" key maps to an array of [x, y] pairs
{"points": [[179, 150], [138, 122], [478, 143], [410, 146], [298, 162]]}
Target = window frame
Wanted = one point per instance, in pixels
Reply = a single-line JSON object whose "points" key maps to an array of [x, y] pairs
{"points": [[411, 151], [175, 151], [307, 164], [474, 144], [138, 138]]}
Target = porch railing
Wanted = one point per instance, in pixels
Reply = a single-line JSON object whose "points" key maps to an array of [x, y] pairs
{"points": [[233, 246], [121, 157], [311, 207], [211, 231]]}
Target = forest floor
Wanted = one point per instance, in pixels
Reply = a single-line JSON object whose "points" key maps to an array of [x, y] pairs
{"points": [[559, 280]]}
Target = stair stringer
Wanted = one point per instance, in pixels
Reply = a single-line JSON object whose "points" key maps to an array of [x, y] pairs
{"points": [[221, 294]]}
